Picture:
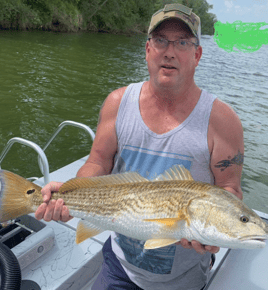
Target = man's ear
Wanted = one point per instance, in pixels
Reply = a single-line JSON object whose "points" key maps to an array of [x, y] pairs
{"points": [[147, 49], [198, 54]]}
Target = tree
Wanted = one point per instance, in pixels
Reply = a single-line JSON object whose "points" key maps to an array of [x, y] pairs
{"points": [[115, 16]]}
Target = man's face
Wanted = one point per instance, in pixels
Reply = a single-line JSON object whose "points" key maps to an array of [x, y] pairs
{"points": [[171, 68]]}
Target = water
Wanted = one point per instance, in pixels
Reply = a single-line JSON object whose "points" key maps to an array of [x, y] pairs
{"points": [[47, 78]]}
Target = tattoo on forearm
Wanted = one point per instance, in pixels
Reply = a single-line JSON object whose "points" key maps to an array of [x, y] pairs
{"points": [[236, 160]]}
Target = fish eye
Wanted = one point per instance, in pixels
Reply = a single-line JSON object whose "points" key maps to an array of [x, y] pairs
{"points": [[30, 191], [244, 219]]}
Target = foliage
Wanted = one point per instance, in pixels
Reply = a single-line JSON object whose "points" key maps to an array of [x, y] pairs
{"points": [[16, 15], [116, 16], [57, 15]]}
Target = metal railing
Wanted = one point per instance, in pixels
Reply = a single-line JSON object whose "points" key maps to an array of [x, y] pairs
{"points": [[69, 123], [40, 152], [42, 159], [57, 131]]}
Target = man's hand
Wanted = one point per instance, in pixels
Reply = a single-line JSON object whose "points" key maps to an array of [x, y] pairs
{"points": [[52, 209], [199, 248]]}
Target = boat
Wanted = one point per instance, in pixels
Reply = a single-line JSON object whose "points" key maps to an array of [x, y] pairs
{"points": [[49, 258]]}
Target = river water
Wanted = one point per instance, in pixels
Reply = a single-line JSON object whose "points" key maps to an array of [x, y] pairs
{"points": [[47, 78]]}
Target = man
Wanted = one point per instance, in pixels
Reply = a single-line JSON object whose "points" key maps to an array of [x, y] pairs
{"points": [[150, 126]]}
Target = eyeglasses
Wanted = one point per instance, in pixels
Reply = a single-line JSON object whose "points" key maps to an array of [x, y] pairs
{"points": [[161, 43]]}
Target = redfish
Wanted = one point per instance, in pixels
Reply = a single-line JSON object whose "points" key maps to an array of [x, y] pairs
{"points": [[160, 212]]}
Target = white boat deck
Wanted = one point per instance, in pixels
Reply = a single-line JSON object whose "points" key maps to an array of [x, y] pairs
{"points": [[70, 266]]}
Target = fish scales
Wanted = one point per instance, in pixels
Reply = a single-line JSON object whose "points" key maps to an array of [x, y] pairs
{"points": [[159, 199]]}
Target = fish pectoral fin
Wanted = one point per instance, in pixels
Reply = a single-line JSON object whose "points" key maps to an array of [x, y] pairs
{"points": [[86, 230], [169, 222], [159, 243]]}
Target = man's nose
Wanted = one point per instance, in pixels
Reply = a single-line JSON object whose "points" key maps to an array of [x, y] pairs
{"points": [[170, 50]]}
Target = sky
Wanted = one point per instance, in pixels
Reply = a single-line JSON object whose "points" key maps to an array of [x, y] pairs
{"points": [[244, 10]]}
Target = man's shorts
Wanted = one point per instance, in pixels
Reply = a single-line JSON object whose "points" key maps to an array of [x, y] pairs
{"points": [[112, 275]]}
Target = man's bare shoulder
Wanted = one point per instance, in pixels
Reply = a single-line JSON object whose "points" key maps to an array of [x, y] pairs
{"points": [[223, 116], [115, 96], [112, 102], [224, 126]]}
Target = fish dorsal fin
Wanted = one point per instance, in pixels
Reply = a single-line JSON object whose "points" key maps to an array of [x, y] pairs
{"points": [[85, 182], [176, 172]]}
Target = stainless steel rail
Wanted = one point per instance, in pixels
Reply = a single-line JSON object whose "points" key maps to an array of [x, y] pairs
{"points": [[41, 155], [42, 159], [69, 123], [60, 127]]}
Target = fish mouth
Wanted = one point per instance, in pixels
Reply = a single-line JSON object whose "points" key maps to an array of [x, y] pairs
{"points": [[254, 238]]}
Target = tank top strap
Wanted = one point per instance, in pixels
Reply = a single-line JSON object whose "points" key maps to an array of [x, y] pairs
{"points": [[129, 108]]}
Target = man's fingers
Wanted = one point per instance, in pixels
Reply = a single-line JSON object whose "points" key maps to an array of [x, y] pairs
{"points": [[198, 247], [186, 244], [65, 217], [49, 211], [40, 211], [46, 194], [57, 210], [212, 249], [61, 212], [49, 188], [52, 209]]}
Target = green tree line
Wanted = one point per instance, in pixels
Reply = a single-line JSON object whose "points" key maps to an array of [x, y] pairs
{"points": [[113, 16]]}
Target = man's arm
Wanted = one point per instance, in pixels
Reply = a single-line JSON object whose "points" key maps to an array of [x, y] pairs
{"points": [[104, 147], [100, 161], [226, 143]]}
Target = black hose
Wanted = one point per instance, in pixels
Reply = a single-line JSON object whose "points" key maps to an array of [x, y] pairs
{"points": [[9, 269]]}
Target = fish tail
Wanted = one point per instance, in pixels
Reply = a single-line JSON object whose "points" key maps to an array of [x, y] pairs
{"points": [[16, 194]]}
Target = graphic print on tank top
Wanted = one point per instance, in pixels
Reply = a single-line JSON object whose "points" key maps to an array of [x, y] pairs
{"points": [[149, 164]]}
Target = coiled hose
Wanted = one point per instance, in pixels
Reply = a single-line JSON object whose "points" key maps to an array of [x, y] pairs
{"points": [[9, 269]]}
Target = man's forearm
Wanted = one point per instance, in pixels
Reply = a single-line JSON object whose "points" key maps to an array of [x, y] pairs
{"points": [[91, 169], [237, 192]]}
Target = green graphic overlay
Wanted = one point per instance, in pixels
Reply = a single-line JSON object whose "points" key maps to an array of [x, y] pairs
{"points": [[239, 36]]}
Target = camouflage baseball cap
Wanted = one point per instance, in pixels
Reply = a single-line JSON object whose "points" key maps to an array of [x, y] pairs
{"points": [[178, 11]]}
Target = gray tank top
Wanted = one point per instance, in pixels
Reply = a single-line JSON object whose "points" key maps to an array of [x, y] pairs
{"points": [[150, 154]]}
